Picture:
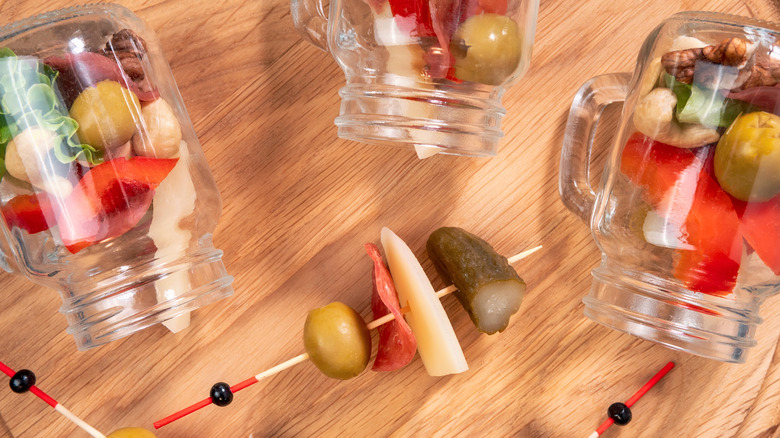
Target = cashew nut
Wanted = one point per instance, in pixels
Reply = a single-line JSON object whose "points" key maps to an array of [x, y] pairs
{"points": [[160, 134], [26, 156], [653, 76], [654, 117]]}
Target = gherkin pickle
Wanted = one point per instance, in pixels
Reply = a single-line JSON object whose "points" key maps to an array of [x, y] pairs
{"points": [[337, 340], [747, 157], [488, 287]]}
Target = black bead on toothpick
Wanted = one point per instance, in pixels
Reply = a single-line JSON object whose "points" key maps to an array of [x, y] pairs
{"points": [[220, 394], [619, 413], [22, 381]]}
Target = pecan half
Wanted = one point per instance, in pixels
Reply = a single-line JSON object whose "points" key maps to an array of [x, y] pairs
{"points": [[730, 52], [129, 49], [681, 63]]}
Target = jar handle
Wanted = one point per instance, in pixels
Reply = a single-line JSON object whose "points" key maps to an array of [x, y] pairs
{"points": [[311, 21], [573, 184]]}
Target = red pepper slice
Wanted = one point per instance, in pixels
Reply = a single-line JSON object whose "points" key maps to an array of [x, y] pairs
{"points": [[110, 200], [679, 182], [712, 227], [32, 213], [470, 8], [413, 17], [761, 229], [657, 167]]}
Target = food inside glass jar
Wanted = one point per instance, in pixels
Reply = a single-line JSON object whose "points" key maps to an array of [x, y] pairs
{"points": [[85, 139], [706, 154], [456, 40]]}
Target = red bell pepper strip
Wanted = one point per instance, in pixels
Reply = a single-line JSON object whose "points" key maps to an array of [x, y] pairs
{"points": [[413, 17], [470, 8], [32, 213], [110, 200], [712, 227], [397, 344], [761, 229], [679, 183]]}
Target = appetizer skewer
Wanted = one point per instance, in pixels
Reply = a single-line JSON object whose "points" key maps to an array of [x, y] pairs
{"points": [[222, 394]]}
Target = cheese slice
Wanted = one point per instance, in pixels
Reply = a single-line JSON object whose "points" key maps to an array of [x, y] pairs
{"points": [[173, 201], [436, 341]]}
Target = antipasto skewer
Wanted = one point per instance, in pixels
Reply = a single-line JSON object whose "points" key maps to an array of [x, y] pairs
{"points": [[438, 346]]}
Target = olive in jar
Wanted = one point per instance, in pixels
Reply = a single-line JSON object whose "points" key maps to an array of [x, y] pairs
{"points": [[107, 115], [747, 157], [487, 49], [337, 340]]}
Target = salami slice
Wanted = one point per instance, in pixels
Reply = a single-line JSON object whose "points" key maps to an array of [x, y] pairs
{"points": [[766, 98], [81, 70], [397, 344]]}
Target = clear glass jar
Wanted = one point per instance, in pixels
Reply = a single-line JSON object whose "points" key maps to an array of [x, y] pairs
{"points": [[424, 73], [105, 193], [687, 215]]}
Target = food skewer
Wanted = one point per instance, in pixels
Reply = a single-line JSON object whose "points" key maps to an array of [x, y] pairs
{"points": [[222, 393], [25, 378], [620, 413]]}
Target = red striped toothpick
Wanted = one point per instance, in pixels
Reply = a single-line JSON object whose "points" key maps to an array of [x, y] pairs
{"points": [[56, 405], [650, 383]]}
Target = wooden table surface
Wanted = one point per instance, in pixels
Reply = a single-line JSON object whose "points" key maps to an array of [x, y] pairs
{"points": [[299, 203]]}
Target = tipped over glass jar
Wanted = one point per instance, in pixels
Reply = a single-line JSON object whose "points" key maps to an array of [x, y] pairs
{"points": [[105, 194], [424, 73], [688, 211]]}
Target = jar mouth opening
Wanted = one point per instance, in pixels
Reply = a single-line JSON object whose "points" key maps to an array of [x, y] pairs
{"points": [[165, 293], [434, 119], [719, 328]]}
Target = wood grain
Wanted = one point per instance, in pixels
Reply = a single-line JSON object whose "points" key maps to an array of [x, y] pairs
{"points": [[298, 205]]}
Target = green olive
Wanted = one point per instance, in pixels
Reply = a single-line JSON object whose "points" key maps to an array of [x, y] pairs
{"points": [[106, 114], [747, 157], [487, 49], [337, 340], [131, 432]]}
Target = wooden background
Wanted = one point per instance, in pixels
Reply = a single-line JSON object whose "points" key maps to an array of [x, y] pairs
{"points": [[300, 203]]}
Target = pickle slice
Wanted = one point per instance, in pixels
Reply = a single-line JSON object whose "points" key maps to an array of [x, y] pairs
{"points": [[488, 287]]}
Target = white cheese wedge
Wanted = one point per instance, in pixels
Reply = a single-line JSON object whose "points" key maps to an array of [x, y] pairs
{"points": [[173, 201], [436, 341], [406, 59]]}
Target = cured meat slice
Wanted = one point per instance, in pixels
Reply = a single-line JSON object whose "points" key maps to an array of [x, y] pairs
{"points": [[397, 344]]}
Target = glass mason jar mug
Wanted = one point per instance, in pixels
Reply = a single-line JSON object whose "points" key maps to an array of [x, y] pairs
{"points": [[687, 215], [105, 193], [428, 73]]}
